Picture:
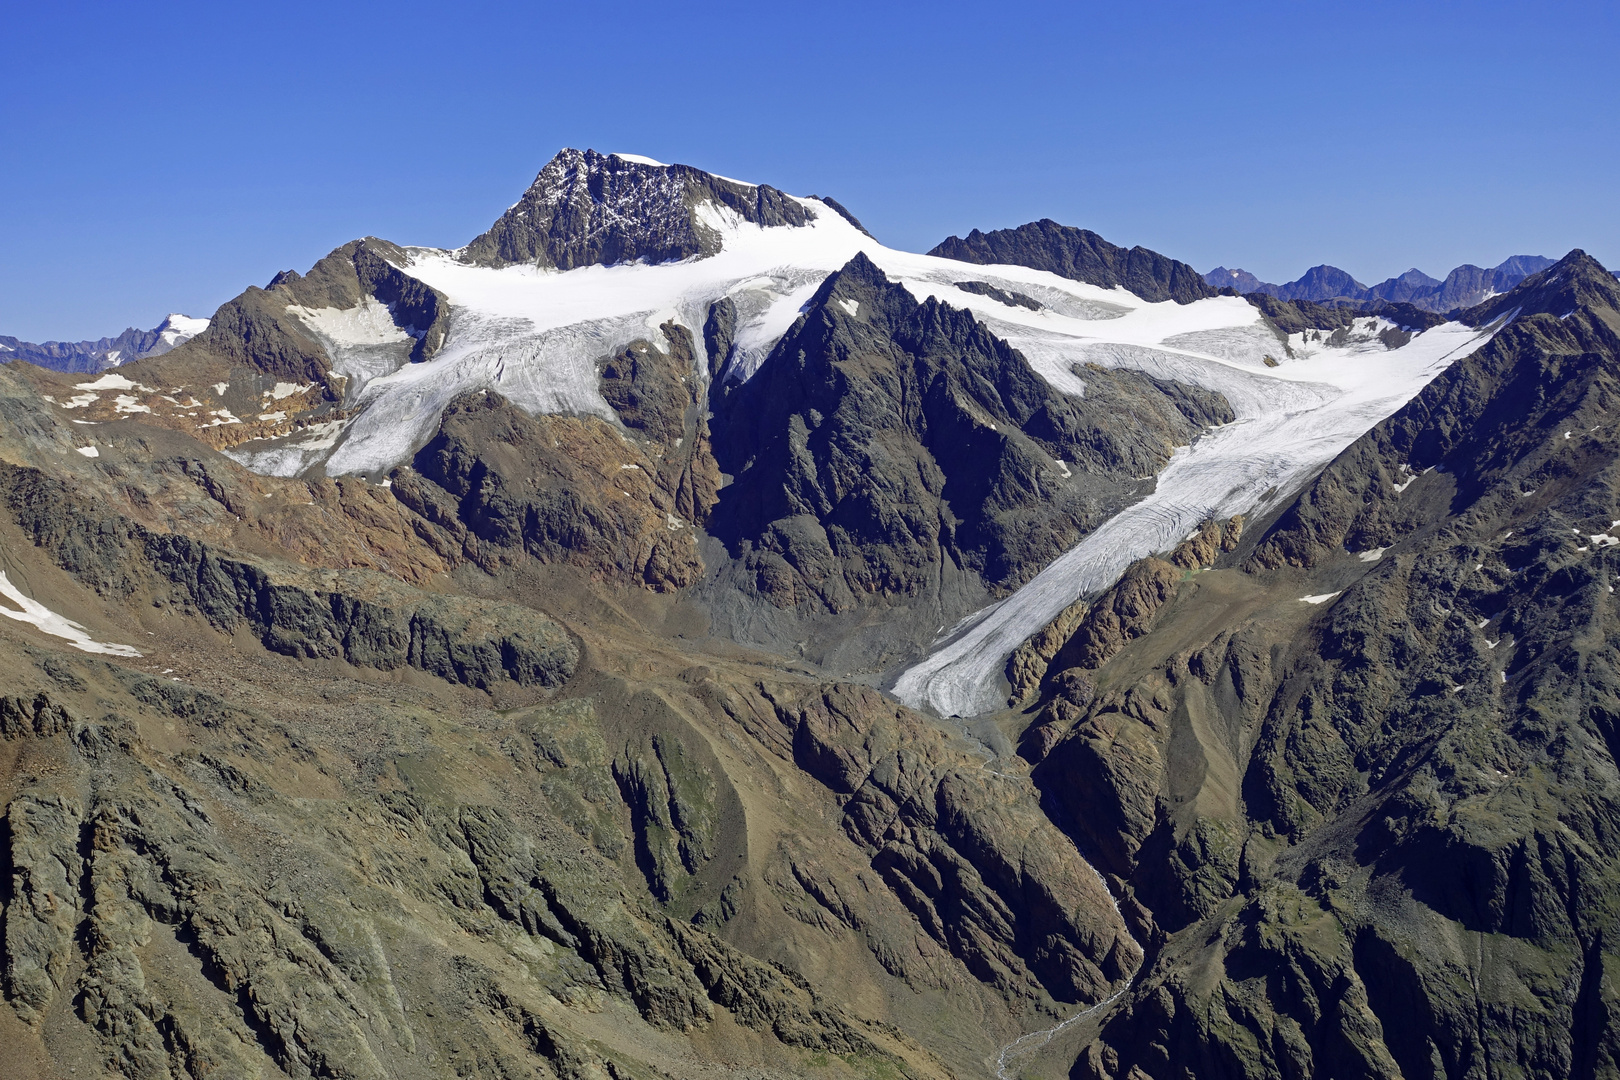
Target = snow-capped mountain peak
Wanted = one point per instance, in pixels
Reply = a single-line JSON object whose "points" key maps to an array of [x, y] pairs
{"points": [[586, 208], [176, 329]]}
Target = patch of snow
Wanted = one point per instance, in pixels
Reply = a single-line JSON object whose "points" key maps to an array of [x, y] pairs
{"points": [[272, 416], [220, 388], [111, 381], [637, 159], [851, 306], [367, 323], [673, 522], [1371, 556], [288, 389], [79, 401], [43, 618], [126, 403], [87, 451], [1320, 598], [111, 359]]}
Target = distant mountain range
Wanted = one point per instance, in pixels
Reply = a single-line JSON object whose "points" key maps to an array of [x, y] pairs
{"points": [[107, 352], [1464, 287]]}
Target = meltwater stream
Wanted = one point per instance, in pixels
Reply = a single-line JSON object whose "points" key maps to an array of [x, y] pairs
{"points": [[1008, 1058]]}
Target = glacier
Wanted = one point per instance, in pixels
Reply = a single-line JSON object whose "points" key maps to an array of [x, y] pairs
{"points": [[535, 335]]}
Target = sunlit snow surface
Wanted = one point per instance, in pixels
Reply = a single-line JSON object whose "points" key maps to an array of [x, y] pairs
{"points": [[535, 336], [178, 329]]}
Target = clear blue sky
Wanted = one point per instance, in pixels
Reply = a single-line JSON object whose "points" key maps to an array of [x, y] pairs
{"points": [[163, 156]]}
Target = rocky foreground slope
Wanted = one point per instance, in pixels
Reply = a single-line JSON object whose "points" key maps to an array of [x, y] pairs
{"points": [[552, 745]]}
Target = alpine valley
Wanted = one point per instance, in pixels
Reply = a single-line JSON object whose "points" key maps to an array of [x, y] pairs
{"points": [[677, 636]]}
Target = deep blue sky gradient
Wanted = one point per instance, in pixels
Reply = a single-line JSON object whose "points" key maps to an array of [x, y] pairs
{"points": [[163, 156]]}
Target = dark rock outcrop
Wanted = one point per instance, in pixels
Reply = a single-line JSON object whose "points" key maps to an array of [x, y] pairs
{"points": [[1011, 299], [367, 619], [1083, 256], [586, 208]]}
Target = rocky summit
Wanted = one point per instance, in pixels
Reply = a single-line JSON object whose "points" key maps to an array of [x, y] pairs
{"points": [[676, 635]]}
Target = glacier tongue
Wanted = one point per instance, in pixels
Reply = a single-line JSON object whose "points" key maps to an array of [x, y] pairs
{"points": [[1274, 444]]}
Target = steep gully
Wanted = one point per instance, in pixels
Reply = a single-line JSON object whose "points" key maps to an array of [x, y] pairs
{"points": [[1021, 1048]]}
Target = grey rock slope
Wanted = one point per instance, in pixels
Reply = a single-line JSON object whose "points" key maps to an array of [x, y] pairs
{"points": [[1082, 255]]}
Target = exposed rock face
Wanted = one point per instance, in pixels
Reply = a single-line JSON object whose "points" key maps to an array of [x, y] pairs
{"points": [[364, 618], [1329, 813], [1298, 316], [501, 485], [1026, 667], [1011, 299], [300, 968], [979, 872], [883, 436], [587, 209], [257, 331], [1082, 255]]}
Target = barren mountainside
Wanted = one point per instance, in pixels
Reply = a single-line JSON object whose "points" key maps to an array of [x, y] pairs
{"points": [[677, 636]]}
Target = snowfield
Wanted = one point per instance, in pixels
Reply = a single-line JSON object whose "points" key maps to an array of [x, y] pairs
{"points": [[535, 336]]}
